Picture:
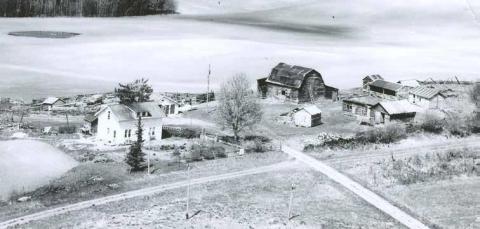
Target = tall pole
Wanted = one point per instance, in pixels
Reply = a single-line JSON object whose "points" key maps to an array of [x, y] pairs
{"points": [[208, 84], [148, 162], [188, 191], [291, 202]]}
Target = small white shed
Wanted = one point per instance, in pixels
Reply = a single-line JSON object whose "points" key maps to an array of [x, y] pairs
{"points": [[309, 116]]}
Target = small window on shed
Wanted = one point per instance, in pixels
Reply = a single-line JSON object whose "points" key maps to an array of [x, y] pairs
{"points": [[284, 92]]}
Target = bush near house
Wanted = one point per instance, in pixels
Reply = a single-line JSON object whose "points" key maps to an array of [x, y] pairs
{"points": [[180, 132], [67, 129], [256, 146], [201, 151], [432, 125]]}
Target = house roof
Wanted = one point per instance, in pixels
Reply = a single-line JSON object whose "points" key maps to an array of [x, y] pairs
{"points": [[151, 107], [90, 118], [288, 75], [128, 113], [426, 92], [387, 85], [50, 100], [373, 77], [162, 98], [364, 100], [312, 110], [399, 107]]}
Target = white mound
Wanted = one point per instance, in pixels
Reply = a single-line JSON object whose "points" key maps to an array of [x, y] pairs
{"points": [[26, 165], [19, 135]]}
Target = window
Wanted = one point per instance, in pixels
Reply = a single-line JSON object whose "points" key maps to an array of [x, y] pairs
{"points": [[129, 133], [153, 131], [108, 115], [172, 109], [126, 133], [284, 92], [114, 134]]}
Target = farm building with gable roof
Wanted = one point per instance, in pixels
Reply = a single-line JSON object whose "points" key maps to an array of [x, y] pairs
{"points": [[296, 84], [426, 97]]}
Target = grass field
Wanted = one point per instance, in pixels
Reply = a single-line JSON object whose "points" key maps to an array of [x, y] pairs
{"points": [[318, 204]]}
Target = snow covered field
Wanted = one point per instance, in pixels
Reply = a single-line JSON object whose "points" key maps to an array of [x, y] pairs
{"points": [[344, 40], [26, 165]]}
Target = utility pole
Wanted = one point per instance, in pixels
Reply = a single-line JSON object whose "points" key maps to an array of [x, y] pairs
{"points": [[68, 123], [188, 191], [291, 202], [148, 162], [208, 85]]}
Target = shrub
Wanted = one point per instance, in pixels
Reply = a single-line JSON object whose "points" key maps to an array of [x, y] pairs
{"points": [[473, 123], [181, 133], [438, 166], [194, 155], [386, 135], [262, 139], [218, 151], [255, 146], [432, 125], [202, 151], [67, 129], [457, 127]]}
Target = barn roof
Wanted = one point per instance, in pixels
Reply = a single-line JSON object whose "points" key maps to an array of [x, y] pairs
{"points": [[387, 85], [373, 77], [288, 75], [364, 100], [426, 92], [399, 107]]}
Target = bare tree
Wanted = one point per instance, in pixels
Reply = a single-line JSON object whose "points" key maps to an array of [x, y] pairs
{"points": [[237, 106]]}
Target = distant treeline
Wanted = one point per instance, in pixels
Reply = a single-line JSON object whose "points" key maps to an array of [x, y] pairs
{"points": [[85, 8]]}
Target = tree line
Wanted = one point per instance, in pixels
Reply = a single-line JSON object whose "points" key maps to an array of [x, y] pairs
{"points": [[85, 8]]}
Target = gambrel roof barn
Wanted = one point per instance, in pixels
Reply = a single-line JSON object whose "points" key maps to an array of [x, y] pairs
{"points": [[295, 83]]}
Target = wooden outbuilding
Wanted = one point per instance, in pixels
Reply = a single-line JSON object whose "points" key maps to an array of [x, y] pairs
{"points": [[295, 84], [309, 116]]}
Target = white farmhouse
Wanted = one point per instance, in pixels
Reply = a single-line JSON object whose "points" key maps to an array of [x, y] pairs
{"points": [[117, 123], [427, 98], [309, 116]]}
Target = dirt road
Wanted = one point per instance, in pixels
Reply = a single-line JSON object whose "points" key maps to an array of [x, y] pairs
{"points": [[141, 192], [356, 188]]}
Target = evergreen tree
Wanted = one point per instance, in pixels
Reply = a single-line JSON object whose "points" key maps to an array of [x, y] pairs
{"points": [[135, 157], [137, 91]]}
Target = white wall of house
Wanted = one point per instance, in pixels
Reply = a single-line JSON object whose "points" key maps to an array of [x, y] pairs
{"points": [[302, 118], [111, 130], [434, 103], [169, 108]]}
